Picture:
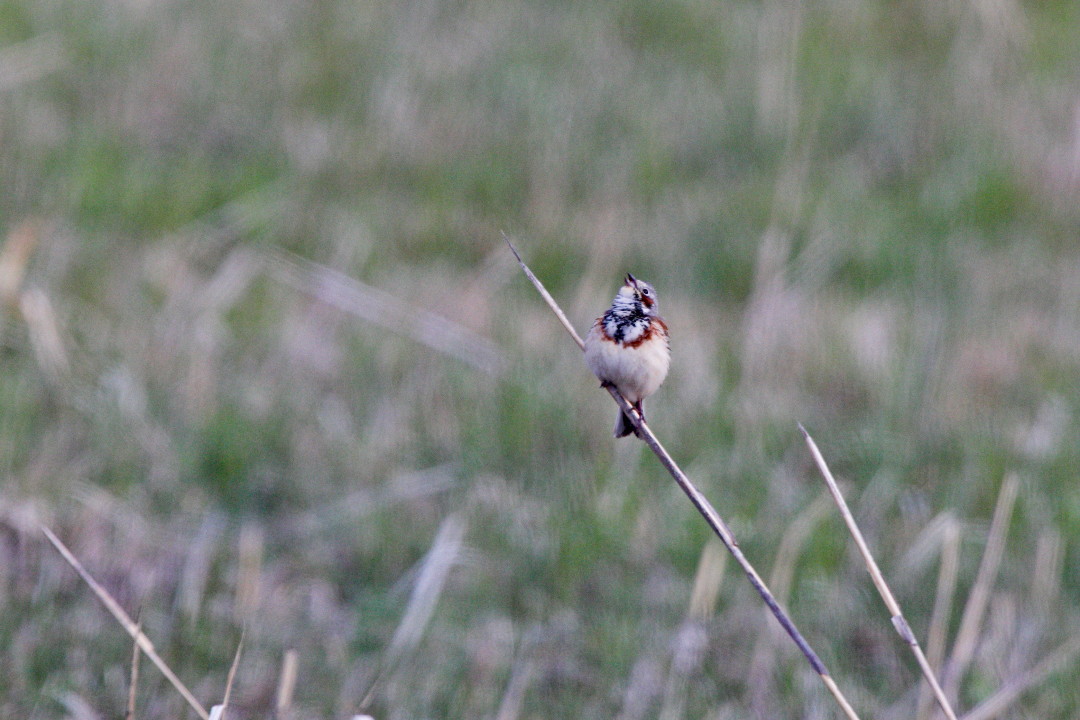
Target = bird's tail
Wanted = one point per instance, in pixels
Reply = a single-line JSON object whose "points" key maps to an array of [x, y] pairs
{"points": [[623, 425]]}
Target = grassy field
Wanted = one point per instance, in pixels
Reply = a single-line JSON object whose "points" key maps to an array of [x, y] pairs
{"points": [[267, 367]]}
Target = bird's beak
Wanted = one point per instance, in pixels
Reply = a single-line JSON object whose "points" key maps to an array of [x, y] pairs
{"points": [[631, 280]]}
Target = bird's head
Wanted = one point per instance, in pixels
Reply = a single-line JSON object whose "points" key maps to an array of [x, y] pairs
{"points": [[641, 293]]}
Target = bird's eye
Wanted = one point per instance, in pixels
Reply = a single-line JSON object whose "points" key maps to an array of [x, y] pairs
{"points": [[645, 291]]}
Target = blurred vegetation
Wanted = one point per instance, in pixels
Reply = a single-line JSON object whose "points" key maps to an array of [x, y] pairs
{"points": [[260, 340]]}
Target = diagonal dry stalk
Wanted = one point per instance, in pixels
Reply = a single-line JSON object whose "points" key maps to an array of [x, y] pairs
{"points": [[286, 684], [382, 308], [898, 620], [127, 623], [435, 568], [218, 711], [996, 705], [975, 609], [129, 714], [703, 507]]}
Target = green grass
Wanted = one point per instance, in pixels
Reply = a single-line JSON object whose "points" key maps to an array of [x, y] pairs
{"points": [[858, 218]]}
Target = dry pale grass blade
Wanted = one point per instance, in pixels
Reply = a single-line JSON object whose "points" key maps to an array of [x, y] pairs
{"points": [[133, 685], [444, 553], [15, 256], [252, 546], [975, 609], [356, 298], [705, 508], [707, 581], [898, 620], [691, 640], [199, 556], [77, 707], [1046, 577], [30, 60], [939, 615], [783, 574], [358, 504], [126, 622], [690, 644], [231, 678], [643, 686], [218, 712], [1000, 701], [434, 570], [513, 698], [286, 683], [45, 336]]}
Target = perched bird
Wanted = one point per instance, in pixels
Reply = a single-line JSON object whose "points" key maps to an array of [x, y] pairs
{"points": [[628, 347]]}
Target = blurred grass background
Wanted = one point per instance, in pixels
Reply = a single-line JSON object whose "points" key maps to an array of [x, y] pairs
{"points": [[261, 340]]}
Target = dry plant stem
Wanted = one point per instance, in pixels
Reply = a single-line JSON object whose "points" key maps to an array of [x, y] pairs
{"points": [[514, 697], [126, 622], [1000, 701], [898, 620], [968, 635], [286, 683], [382, 308], [688, 648], [546, 295], [703, 506], [724, 533], [435, 568], [130, 714], [232, 674]]}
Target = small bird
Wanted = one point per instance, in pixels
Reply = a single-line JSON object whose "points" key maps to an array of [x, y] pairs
{"points": [[628, 347]]}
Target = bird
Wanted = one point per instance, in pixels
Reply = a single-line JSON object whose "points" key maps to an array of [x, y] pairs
{"points": [[628, 347]]}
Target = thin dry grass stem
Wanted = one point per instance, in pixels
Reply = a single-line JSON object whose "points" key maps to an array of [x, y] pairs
{"points": [[780, 580], [374, 305], [126, 622], [546, 295], [1046, 577], [252, 548], [674, 705], [1009, 693], [705, 508], [286, 683], [15, 257], [435, 568], [898, 620], [724, 533], [975, 609], [939, 616], [692, 639], [783, 573], [45, 336], [513, 698], [195, 576], [231, 678], [707, 581], [133, 685], [28, 61]]}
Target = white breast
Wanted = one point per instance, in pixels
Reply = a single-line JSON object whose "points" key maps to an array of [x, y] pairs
{"points": [[636, 371]]}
